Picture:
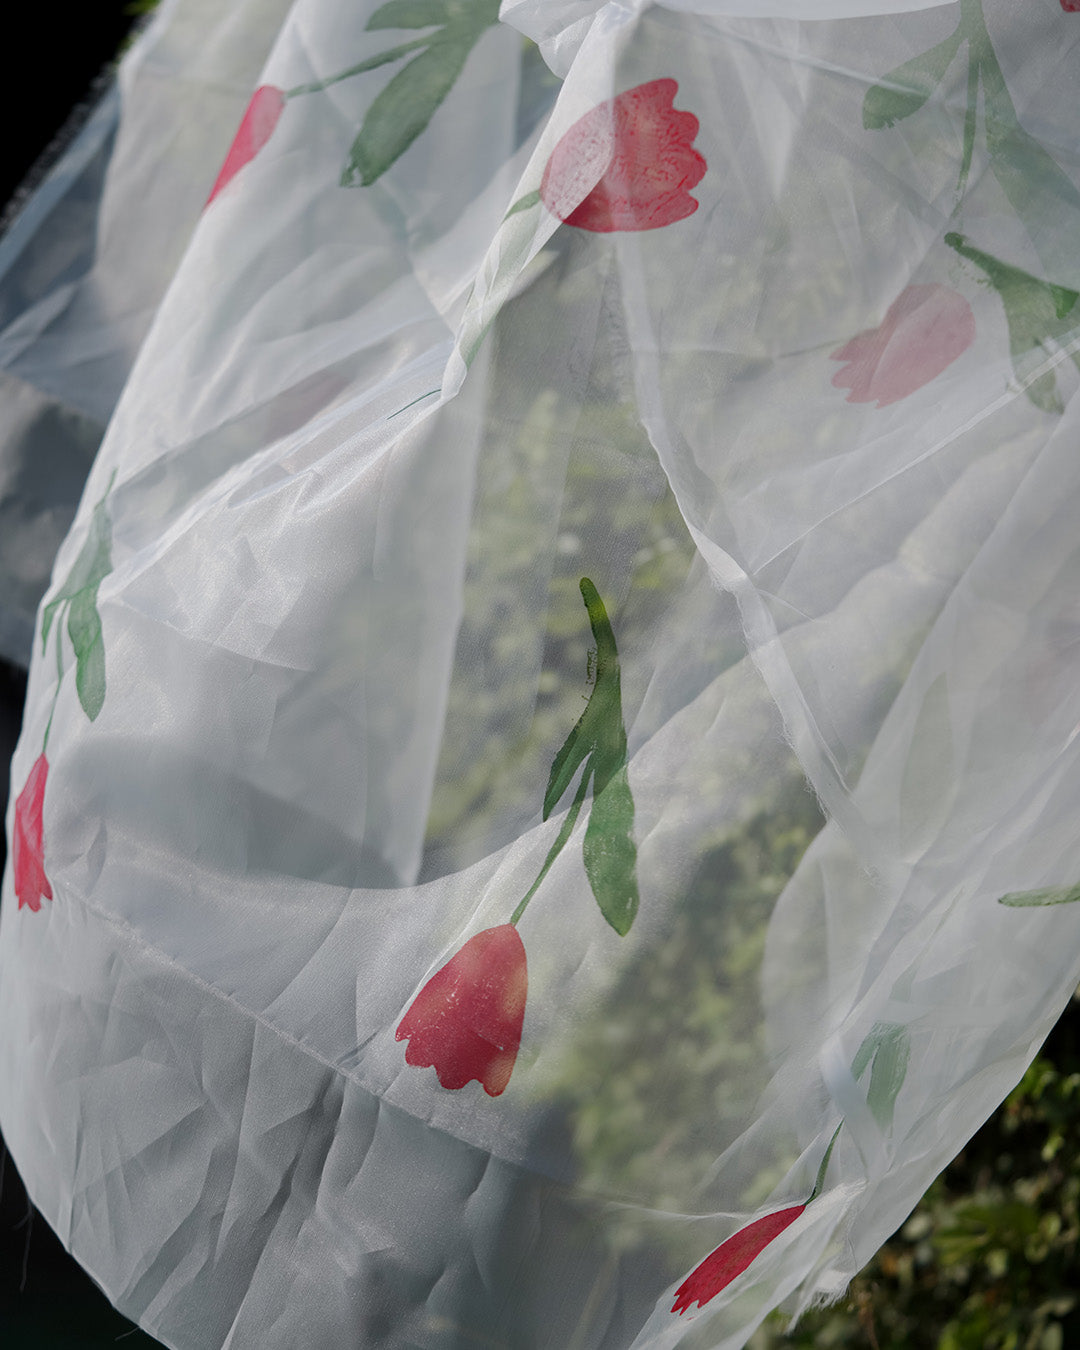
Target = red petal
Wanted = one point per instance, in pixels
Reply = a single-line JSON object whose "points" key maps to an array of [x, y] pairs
{"points": [[466, 1021], [731, 1258], [255, 129], [31, 883]]}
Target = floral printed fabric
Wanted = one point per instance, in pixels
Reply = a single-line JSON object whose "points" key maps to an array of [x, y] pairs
{"points": [[633, 159], [546, 807]]}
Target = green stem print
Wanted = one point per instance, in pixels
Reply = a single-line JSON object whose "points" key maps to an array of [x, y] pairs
{"points": [[565, 831], [77, 598], [971, 114], [1038, 313], [361, 68], [525, 203]]}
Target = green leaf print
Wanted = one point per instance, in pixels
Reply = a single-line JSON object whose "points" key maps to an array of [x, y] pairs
{"points": [[89, 569], [78, 595], [599, 742], [1042, 194], [904, 90], [597, 747], [1056, 895], [1038, 313], [609, 851], [525, 203], [601, 722], [886, 1049], [1039, 191], [404, 108], [407, 104], [84, 629]]}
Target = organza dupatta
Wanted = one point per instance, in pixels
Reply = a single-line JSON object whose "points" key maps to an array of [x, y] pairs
{"points": [[544, 811]]}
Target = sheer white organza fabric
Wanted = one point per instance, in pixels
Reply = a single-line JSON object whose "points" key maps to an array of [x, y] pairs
{"points": [[543, 817], [84, 265]]}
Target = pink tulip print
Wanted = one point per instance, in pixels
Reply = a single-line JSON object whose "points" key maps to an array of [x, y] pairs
{"points": [[256, 128], [27, 844], [628, 164], [924, 330]]}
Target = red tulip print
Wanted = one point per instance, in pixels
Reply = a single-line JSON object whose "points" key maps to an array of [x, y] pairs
{"points": [[924, 330], [639, 147], [256, 128], [1071, 6], [31, 883], [732, 1257], [466, 1021]]}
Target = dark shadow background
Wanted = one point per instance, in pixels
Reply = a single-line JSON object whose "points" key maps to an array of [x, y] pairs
{"points": [[46, 1300]]}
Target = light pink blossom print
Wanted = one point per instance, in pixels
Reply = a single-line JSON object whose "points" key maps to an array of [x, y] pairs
{"points": [[924, 330], [256, 128]]}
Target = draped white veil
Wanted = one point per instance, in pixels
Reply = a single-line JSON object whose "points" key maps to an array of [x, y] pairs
{"points": [[546, 808]]}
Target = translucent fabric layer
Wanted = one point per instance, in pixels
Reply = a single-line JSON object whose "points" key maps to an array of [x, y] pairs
{"points": [[544, 812], [84, 266]]}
